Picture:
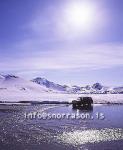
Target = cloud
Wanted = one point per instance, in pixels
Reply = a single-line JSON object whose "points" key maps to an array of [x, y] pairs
{"points": [[99, 56], [44, 47]]}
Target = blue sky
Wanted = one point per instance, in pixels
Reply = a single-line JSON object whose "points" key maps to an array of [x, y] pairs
{"points": [[49, 38]]}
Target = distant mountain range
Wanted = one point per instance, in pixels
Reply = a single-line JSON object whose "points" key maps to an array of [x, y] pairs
{"points": [[96, 88], [14, 83]]}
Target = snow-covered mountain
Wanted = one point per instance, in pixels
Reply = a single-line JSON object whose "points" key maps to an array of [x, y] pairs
{"points": [[68, 89], [16, 89], [50, 85], [15, 84], [96, 88]]}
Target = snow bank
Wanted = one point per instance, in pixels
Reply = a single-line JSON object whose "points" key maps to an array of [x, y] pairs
{"points": [[33, 96]]}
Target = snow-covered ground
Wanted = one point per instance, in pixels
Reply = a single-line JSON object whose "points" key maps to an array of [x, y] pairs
{"points": [[14, 89], [21, 96]]}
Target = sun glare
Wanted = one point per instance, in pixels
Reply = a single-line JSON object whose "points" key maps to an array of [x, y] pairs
{"points": [[80, 15]]}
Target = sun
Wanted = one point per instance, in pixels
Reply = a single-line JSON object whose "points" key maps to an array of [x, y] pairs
{"points": [[79, 15]]}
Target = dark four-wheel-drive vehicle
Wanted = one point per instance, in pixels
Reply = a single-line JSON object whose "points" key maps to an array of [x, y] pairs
{"points": [[82, 102]]}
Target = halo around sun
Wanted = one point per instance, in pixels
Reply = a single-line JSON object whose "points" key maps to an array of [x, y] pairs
{"points": [[79, 15]]}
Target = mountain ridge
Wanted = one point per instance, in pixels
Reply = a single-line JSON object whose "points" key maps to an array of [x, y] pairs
{"points": [[15, 83], [96, 88]]}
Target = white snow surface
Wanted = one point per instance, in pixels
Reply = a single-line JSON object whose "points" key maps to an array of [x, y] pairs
{"points": [[14, 89]]}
